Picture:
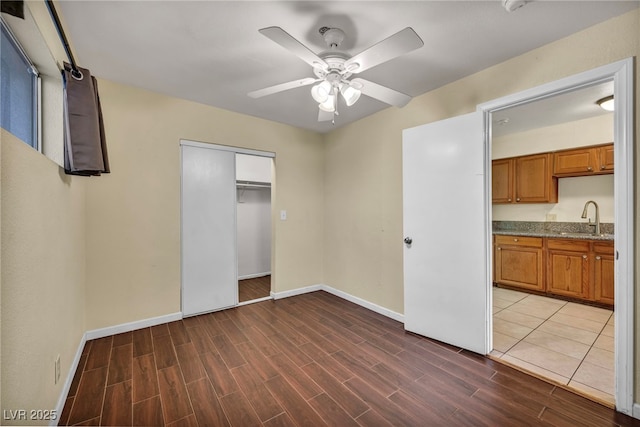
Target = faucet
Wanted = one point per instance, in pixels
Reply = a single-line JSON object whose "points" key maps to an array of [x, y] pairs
{"points": [[593, 224]]}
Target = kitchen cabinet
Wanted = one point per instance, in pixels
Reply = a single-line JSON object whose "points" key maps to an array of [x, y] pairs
{"points": [[605, 154], [568, 268], [594, 160], [534, 182], [502, 180], [519, 262], [603, 256], [524, 179], [572, 268]]}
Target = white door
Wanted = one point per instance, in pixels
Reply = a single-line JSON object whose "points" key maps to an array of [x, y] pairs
{"points": [[445, 263], [209, 256]]}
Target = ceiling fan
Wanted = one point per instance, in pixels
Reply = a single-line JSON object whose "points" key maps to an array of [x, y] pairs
{"points": [[334, 69]]}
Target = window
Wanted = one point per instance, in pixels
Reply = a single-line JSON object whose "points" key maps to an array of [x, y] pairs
{"points": [[19, 94]]}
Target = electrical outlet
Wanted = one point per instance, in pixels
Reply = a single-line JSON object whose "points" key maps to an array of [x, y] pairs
{"points": [[551, 217], [57, 370]]}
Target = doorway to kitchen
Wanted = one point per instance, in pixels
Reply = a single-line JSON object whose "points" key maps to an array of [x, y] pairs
{"points": [[552, 310]]}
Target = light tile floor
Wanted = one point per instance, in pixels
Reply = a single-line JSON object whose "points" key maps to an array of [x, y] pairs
{"points": [[563, 341]]}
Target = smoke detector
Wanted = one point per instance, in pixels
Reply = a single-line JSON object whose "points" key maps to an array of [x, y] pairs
{"points": [[511, 5]]}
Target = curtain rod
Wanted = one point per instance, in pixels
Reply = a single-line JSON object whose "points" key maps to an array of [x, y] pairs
{"points": [[63, 38]]}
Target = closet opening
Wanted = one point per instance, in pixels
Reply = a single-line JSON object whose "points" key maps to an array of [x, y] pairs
{"points": [[254, 237]]}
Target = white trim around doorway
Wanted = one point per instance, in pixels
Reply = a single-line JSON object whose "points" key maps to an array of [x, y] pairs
{"points": [[621, 73]]}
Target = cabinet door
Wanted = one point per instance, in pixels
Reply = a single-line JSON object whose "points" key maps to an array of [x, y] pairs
{"points": [[576, 162], [605, 158], [533, 180], [604, 273], [519, 266], [502, 181], [604, 266], [568, 273]]}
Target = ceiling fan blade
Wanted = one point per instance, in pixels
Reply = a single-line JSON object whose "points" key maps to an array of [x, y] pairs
{"points": [[287, 41], [324, 116], [396, 45], [382, 93], [281, 87]]}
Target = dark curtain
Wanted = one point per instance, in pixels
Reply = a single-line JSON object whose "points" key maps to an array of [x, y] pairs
{"points": [[85, 149]]}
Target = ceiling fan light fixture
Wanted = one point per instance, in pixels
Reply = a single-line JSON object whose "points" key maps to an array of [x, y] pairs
{"points": [[321, 91], [350, 94], [329, 105], [606, 103]]}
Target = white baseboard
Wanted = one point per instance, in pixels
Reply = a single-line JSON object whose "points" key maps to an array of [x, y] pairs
{"points": [[253, 276], [636, 411], [67, 383], [294, 292], [132, 326], [356, 300], [364, 303]]}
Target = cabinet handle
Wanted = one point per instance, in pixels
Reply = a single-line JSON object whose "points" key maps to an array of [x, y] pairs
{"points": [[584, 256], [517, 199], [589, 168], [602, 167], [598, 258], [515, 240], [509, 199], [499, 249]]}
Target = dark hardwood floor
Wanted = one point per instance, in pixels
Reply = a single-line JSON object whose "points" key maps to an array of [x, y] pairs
{"points": [[250, 289], [311, 360]]}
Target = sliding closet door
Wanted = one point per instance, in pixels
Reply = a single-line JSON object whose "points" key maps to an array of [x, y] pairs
{"points": [[209, 255]]}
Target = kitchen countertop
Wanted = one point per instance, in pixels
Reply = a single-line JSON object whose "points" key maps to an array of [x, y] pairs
{"points": [[558, 230], [557, 235]]}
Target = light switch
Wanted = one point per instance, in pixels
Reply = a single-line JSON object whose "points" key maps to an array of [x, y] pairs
{"points": [[283, 215]]}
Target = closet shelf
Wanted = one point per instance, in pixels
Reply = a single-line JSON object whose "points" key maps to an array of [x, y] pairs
{"points": [[252, 184]]}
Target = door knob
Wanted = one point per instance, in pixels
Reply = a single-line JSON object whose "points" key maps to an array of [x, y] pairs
{"points": [[408, 240]]}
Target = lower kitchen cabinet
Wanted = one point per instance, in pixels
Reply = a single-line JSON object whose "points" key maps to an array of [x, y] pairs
{"points": [[572, 268], [568, 268], [603, 264], [519, 262]]}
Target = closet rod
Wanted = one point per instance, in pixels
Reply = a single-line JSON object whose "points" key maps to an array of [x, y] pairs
{"points": [[253, 185], [63, 38]]}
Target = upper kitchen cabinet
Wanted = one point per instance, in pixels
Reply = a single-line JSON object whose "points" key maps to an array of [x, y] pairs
{"points": [[584, 161], [524, 179], [502, 180], [533, 180]]}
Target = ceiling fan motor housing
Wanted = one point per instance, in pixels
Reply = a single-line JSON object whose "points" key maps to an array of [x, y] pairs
{"points": [[333, 37]]}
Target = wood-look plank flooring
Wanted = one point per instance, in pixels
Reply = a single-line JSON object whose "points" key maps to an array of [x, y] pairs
{"points": [[250, 289], [311, 360]]}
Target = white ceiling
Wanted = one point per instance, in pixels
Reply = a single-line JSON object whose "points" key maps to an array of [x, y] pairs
{"points": [[567, 107], [211, 52]]}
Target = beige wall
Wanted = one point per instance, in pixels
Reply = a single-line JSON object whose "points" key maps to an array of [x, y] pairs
{"points": [[363, 167], [133, 214], [42, 274]]}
